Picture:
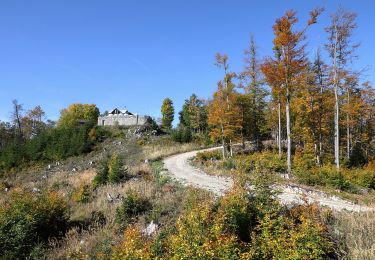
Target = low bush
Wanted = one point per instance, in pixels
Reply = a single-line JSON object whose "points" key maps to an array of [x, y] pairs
{"points": [[29, 219], [243, 224], [198, 234], [229, 164], [305, 170], [110, 170], [116, 171], [182, 135], [134, 245], [83, 193], [101, 176], [346, 179], [133, 205], [263, 161], [208, 155]]}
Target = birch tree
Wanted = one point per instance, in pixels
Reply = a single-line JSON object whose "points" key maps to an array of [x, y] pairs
{"points": [[341, 50]]}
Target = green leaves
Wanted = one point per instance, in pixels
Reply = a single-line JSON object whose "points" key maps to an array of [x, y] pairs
{"points": [[167, 111]]}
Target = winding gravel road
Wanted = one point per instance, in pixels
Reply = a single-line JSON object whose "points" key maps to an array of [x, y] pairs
{"points": [[179, 167]]}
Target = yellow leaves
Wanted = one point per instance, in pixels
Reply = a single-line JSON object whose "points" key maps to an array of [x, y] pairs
{"points": [[201, 233], [134, 245], [224, 114], [76, 112]]}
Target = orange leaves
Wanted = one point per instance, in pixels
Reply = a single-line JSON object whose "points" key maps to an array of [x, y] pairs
{"points": [[223, 112], [314, 14], [134, 246]]}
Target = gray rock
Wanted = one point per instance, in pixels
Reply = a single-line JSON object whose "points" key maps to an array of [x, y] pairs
{"points": [[36, 190], [150, 229]]}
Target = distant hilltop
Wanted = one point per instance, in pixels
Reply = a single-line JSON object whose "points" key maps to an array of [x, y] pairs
{"points": [[122, 117]]}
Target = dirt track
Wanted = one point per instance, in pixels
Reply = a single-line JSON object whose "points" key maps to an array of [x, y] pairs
{"points": [[179, 168]]}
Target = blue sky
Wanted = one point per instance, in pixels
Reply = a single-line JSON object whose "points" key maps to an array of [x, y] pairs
{"points": [[133, 54]]}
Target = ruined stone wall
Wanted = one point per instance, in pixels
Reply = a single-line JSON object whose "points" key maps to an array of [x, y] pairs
{"points": [[125, 120]]}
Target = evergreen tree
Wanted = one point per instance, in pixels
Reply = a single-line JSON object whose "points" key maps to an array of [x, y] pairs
{"points": [[116, 173], [167, 111]]}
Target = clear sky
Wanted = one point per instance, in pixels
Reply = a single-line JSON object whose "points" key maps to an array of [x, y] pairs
{"points": [[133, 54]]}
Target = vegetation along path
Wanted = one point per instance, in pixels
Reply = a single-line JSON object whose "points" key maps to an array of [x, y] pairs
{"points": [[180, 168]]}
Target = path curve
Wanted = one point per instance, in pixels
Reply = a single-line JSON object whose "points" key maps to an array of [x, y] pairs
{"points": [[179, 167]]}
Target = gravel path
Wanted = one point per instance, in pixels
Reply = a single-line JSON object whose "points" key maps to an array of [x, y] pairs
{"points": [[180, 168]]}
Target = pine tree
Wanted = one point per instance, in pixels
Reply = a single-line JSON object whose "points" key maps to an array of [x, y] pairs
{"points": [[116, 173], [253, 86], [167, 111]]}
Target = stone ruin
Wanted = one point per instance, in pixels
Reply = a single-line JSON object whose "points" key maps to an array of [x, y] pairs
{"points": [[122, 118]]}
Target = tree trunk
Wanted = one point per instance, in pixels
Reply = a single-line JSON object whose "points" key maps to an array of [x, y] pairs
{"points": [[242, 130], [279, 128], [348, 144], [289, 141], [337, 138], [320, 156], [222, 141], [337, 116]]}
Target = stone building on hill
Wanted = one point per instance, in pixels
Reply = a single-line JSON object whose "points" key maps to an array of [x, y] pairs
{"points": [[122, 117]]}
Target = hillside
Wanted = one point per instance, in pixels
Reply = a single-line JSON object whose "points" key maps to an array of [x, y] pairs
{"points": [[101, 220]]}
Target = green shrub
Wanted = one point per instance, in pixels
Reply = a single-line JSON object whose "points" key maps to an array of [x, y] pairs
{"points": [[357, 157], [28, 219], [110, 170], [101, 176], [208, 155], [236, 213], [367, 178], [199, 236], [116, 172], [263, 161], [133, 205], [229, 164], [182, 135], [83, 193], [247, 225]]}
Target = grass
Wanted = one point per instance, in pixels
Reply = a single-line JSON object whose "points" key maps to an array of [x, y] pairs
{"points": [[355, 234], [164, 147], [165, 195]]}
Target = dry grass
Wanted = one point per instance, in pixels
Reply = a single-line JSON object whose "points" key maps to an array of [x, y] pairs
{"points": [[79, 244], [356, 234], [162, 149], [100, 202]]}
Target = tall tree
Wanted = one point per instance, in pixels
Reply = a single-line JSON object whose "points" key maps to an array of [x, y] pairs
{"points": [[244, 104], [167, 112], [33, 122], [367, 120], [224, 115], [288, 44], [17, 117], [193, 114], [351, 107], [253, 86], [319, 70], [341, 50]]}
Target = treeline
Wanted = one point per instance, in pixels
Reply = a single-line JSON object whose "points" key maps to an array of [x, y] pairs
{"points": [[318, 109], [193, 122], [28, 138]]}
